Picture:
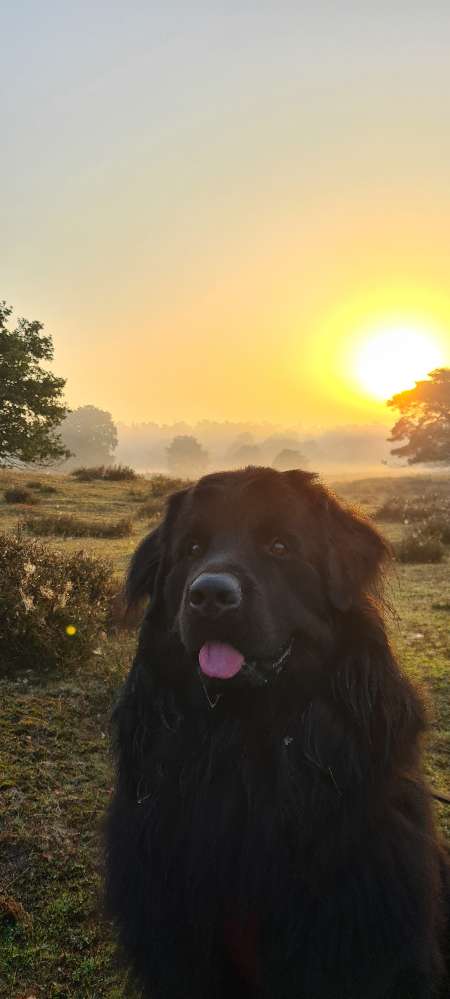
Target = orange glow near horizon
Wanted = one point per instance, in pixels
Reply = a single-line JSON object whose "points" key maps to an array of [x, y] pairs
{"points": [[378, 344]]}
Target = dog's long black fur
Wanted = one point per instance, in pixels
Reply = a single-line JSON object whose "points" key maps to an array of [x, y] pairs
{"points": [[295, 811]]}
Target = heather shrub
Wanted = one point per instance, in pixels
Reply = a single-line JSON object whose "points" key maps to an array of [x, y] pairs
{"points": [[439, 525], [163, 485], [107, 473], [150, 509], [42, 594], [419, 546], [46, 489], [412, 509], [68, 526], [119, 473], [84, 474], [19, 494]]}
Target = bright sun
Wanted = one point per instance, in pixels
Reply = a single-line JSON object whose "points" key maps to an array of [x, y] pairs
{"points": [[392, 359]]}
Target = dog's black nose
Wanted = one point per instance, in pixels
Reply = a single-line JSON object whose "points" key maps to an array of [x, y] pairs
{"points": [[212, 593]]}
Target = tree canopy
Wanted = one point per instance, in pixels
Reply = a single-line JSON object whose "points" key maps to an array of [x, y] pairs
{"points": [[186, 457], [425, 420], [289, 458], [91, 435], [246, 454], [31, 405]]}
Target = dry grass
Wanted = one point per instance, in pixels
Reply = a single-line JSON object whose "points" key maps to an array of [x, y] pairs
{"points": [[68, 526]]}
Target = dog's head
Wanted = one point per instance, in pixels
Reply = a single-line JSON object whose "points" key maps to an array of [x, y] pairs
{"points": [[246, 561]]}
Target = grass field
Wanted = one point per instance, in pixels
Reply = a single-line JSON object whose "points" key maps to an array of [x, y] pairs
{"points": [[55, 768]]}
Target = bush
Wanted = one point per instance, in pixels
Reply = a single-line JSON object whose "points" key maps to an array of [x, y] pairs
{"points": [[20, 495], [163, 485], [119, 473], [42, 594], [439, 526], [150, 509], [419, 546], [107, 473], [399, 510], [88, 474], [68, 526], [412, 509], [47, 489]]}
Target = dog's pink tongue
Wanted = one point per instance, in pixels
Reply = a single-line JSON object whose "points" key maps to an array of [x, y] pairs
{"points": [[219, 659]]}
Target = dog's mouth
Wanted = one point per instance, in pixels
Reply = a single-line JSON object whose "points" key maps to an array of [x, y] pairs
{"points": [[219, 661]]}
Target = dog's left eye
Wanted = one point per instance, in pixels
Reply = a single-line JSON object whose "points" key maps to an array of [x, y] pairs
{"points": [[194, 548], [278, 547]]}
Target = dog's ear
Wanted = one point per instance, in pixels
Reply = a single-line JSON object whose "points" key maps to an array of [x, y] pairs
{"points": [[143, 569], [355, 551], [356, 554], [147, 564]]}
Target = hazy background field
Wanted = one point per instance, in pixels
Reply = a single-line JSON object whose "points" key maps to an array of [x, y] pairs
{"points": [[54, 740]]}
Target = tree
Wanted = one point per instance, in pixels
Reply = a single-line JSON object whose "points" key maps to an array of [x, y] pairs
{"points": [[186, 457], [91, 435], [425, 420], [244, 439], [31, 406], [246, 454], [289, 458]]}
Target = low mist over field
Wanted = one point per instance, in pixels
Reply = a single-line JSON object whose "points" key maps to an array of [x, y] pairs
{"points": [[144, 445]]}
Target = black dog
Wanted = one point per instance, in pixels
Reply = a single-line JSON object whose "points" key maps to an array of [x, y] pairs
{"points": [[271, 832]]}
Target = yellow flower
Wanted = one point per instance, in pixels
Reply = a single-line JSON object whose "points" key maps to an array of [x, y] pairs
{"points": [[71, 630]]}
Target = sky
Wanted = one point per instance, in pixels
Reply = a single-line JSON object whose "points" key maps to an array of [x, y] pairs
{"points": [[214, 206]]}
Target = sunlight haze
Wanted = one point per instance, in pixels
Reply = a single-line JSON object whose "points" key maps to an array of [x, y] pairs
{"points": [[210, 206]]}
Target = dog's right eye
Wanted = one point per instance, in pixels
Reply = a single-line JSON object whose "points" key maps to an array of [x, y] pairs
{"points": [[194, 548], [278, 547]]}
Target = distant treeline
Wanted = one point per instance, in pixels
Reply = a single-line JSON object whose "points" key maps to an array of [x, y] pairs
{"points": [[188, 450], [144, 445]]}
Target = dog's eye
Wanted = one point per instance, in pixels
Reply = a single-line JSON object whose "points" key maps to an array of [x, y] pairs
{"points": [[194, 548], [278, 547]]}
